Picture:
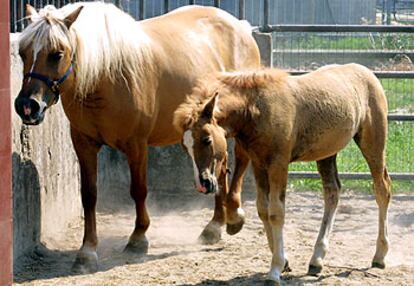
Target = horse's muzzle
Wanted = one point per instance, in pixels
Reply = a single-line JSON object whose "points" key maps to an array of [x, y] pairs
{"points": [[209, 183], [30, 110]]}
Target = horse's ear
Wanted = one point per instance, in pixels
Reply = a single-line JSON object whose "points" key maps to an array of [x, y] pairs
{"points": [[71, 18], [208, 110], [31, 13]]}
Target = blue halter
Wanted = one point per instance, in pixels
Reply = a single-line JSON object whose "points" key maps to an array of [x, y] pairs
{"points": [[52, 84]]}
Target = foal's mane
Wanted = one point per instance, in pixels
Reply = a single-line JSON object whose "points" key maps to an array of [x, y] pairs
{"points": [[107, 43], [223, 84]]}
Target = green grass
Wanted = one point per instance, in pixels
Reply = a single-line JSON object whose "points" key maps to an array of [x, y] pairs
{"points": [[364, 41], [400, 95]]}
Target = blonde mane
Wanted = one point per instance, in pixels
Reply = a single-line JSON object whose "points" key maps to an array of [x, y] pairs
{"points": [[223, 83], [106, 42]]}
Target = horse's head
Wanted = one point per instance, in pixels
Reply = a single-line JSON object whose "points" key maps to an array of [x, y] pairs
{"points": [[205, 141], [47, 48]]}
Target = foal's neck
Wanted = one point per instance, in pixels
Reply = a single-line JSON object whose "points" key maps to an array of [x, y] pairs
{"points": [[234, 114]]}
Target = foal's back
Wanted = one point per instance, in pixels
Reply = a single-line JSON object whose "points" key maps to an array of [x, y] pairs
{"points": [[317, 114]]}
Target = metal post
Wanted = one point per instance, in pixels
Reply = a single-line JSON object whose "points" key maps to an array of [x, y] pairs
{"points": [[389, 4], [217, 3], [6, 215], [242, 11], [191, 2], [141, 9], [266, 12], [166, 6]]}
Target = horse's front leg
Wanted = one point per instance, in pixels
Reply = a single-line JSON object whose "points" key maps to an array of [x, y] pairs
{"points": [[212, 232], [276, 217], [87, 150], [137, 159], [234, 213]]}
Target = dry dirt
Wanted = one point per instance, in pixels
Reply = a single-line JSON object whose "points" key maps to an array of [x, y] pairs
{"points": [[175, 258]]}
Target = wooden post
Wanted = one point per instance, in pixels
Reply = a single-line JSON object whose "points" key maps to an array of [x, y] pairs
{"points": [[6, 215]]}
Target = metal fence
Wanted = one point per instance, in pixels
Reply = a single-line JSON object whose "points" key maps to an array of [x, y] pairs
{"points": [[257, 12]]}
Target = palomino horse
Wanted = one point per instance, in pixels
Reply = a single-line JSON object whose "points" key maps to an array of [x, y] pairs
{"points": [[278, 119], [120, 82]]}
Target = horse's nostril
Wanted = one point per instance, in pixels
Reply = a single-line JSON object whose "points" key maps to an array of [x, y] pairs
{"points": [[34, 106]]}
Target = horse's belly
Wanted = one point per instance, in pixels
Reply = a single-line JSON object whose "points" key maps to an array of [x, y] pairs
{"points": [[326, 145]]}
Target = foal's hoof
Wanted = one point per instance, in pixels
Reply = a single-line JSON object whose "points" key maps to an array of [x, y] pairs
{"points": [[138, 247], [380, 265], [211, 234], [85, 263], [314, 270], [287, 267]]}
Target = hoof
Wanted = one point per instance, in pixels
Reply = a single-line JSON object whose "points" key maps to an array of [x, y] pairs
{"points": [[314, 270], [232, 229], [287, 267], [380, 265], [210, 235], [139, 247], [85, 262], [269, 282]]}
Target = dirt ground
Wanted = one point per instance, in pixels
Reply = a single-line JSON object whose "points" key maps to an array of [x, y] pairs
{"points": [[175, 258]]}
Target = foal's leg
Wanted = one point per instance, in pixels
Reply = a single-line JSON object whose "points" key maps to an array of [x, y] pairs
{"points": [[137, 159], [234, 213], [86, 149], [331, 187], [277, 175], [371, 140], [212, 232]]}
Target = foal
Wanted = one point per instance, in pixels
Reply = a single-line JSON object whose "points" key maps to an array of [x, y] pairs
{"points": [[278, 119]]}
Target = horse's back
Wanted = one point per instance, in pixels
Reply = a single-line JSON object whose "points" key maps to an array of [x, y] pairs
{"points": [[334, 102], [188, 43]]}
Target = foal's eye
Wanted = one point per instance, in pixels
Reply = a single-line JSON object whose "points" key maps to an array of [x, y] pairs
{"points": [[55, 56], [206, 141]]}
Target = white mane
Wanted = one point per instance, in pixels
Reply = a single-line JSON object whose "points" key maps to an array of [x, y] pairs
{"points": [[106, 42]]}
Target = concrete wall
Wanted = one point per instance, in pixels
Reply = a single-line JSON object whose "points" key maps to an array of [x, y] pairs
{"points": [[45, 173]]}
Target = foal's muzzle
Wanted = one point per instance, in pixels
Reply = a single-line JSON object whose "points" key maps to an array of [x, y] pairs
{"points": [[209, 182], [31, 111]]}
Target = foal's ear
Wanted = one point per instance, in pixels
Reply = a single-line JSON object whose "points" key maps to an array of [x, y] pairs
{"points": [[210, 106], [71, 18], [31, 13]]}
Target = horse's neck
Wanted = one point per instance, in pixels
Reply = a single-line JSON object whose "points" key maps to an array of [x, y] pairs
{"points": [[233, 114]]}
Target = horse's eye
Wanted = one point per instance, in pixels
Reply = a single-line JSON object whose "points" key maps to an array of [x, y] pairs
{"points": [[206, 141], [55, 56]]}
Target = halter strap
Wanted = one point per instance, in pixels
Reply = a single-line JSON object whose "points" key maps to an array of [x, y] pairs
{"points": [[54, 85]]}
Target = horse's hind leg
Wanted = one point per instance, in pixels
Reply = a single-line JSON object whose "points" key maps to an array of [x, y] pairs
{"points": [[331, 187], [371, 140], [137, 159], [87, 150]]}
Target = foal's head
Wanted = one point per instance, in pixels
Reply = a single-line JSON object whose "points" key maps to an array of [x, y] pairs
{"points": [[205, 141], [47, 49]]}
